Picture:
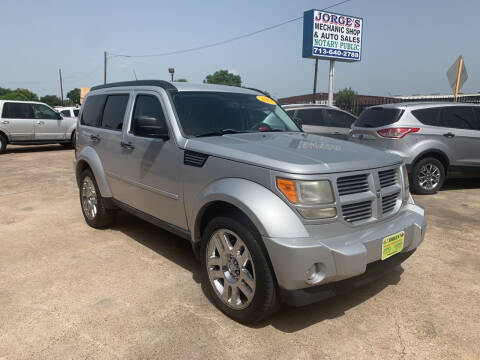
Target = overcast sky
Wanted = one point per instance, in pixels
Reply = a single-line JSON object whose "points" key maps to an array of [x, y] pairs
{"points": [[407, 45]]}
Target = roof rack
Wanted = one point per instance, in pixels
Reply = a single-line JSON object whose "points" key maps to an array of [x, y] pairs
{"points": [[160, 83]]}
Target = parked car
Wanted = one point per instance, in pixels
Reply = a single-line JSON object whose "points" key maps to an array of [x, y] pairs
{"points": [[436, 140], [33, 123], [273, 213], [68, 111], [322, 119]]}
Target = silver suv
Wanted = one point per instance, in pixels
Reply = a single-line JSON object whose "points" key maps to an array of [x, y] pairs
{"points": [[436, 140], [33, 123], [273, 214], [321, 119]]}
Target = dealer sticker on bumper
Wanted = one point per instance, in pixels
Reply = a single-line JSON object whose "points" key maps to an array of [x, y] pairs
{"points": [[392, 244]]}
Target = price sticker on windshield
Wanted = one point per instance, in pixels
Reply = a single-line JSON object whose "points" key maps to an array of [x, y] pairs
{"points": [[266, 100]]}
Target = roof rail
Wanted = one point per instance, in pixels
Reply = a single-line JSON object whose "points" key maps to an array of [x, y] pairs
{"points": [[160, 83]]}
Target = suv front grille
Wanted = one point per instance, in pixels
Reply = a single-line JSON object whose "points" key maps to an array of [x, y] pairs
{"points": [[387, 177], [389, 202], [357, 211], [352, 184]]}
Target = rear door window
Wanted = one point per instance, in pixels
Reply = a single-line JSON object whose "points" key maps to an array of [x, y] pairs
{"points": [[476, 110], [313, 117], [430, 116], [65, 113], [378, 116], [92, 110], [12, 110], [459, 117], [114, 112], [339, 119]]}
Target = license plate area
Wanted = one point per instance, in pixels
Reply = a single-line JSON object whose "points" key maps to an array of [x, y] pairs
{"points": [[392, 244]]}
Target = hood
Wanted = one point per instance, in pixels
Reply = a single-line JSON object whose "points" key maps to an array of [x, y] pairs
{"points": [[293, 152]]}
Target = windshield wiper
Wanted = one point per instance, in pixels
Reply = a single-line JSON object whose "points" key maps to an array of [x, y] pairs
{"points": [[222, 132]]}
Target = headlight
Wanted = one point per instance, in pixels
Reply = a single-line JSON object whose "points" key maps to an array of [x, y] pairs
{"points": [[309, 193], [406, 184]]}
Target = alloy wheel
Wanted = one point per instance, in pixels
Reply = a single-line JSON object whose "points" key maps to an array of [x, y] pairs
{"points": [[89, 198], [429, 176], [230, 269]]}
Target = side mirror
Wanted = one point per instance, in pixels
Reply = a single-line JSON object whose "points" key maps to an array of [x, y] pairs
{"points": [[59, 116], [149, 126]]}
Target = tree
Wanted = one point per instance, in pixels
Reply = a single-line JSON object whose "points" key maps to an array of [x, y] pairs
{"points": [[74, 96], [52, 100], [223, 77], [18, 94], [181, 80], [346, 97]]}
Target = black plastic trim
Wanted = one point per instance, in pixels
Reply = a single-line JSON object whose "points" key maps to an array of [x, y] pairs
{"points": [[193, 158], [160, 83]]}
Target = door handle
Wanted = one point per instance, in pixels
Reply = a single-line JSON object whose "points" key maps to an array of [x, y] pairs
{"points": [[449, 135], [336, 133], [94, 137], [5, 122], [39, 122], [127, 146]]}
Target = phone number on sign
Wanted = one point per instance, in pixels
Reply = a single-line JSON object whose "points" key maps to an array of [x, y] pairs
{"points": [[335, 52]]}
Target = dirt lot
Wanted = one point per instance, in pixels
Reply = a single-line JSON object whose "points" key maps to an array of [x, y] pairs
{"points": [[133, 291]]}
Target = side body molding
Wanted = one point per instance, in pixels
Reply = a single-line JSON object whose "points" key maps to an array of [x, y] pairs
{"points": [[91, 158], [270, 214]]}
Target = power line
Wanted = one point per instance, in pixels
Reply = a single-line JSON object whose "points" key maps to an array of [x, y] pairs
{"points": [[112, 55]]}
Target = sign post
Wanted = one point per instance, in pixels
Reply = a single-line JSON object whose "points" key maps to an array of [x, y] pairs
{"points": [[457, 75], [331, 36]]}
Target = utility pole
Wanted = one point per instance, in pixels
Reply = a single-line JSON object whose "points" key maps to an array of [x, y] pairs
{"points": [[104, 67], [61, 84], [315, 81], [330, 82], [457, 83]]}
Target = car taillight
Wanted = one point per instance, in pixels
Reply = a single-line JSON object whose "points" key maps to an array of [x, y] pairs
{"points": [[396, 133]]}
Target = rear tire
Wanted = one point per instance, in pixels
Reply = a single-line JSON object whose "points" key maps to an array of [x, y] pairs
{"points": [[3, 143], [428, 176], [92, 203], [237, 278]]}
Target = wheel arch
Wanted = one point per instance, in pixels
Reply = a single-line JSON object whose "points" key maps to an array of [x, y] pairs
{"points": [[435, 153], [4, 133], [88, 158]]}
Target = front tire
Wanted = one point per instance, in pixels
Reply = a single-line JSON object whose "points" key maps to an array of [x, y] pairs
{"points": [[3, 143], [428, 176], [235, 270], [93, 206]]}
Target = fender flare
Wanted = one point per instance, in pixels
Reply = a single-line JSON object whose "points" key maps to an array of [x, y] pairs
{"points": [[89, 156], [271, 215]]}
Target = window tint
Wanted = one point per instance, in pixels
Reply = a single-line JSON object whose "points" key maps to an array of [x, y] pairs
{"points": [[147, 105], [17, 111], [65, 113], [459, 117], [476, 110], [44, 112], [92, 110], [429, 116], [339, 118], [378, 116], [75, 112], [114, 112], [311, 117]]}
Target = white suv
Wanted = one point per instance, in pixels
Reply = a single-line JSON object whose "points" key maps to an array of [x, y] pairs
{"points": [[68, 111], [33, 123]]}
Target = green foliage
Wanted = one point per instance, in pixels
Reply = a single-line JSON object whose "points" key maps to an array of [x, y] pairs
{"points": [[223, 77], [52, 100], [346, 97], [18, 94], [181, 80], [74, 96]]}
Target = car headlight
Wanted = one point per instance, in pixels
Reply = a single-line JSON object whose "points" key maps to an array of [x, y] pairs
{"points": [[406, 184], [316, 195]]}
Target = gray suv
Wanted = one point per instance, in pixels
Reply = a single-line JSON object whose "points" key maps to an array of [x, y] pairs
{"points": [[273, 214], [436, 140]]}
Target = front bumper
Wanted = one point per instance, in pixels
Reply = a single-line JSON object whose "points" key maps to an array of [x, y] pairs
{"points": [[342, 251]]}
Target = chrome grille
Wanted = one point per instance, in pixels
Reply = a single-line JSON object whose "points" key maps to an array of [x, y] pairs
{"points": [[352, 184], [357, 211], [387, 177], [389, 202]]}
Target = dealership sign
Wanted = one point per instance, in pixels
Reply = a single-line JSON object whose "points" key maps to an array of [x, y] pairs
{"points": [[332, 36]]}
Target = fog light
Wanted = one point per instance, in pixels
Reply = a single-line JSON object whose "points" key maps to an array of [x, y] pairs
{"points": [[315, 274], [317, 213]]}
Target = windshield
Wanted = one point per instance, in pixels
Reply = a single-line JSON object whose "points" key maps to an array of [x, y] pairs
{"points": [[377, 117], [216, 113]]}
